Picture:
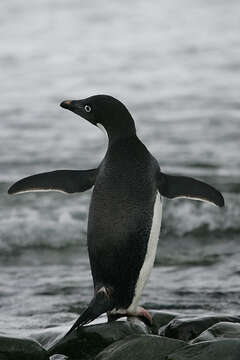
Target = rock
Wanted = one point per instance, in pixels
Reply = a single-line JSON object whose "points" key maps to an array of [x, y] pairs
{"points": [[90, 340], [227, 349], [142, 347], [21, 349], [47, 337], [59, 357], [3, 357], [219, 331], [189, 328], [161, 318]]}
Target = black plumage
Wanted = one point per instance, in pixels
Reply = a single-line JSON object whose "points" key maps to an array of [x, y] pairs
{"points": [[122, 205]]}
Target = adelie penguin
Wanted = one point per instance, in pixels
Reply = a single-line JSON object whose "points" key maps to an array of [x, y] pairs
{"points": [[125, 211]]}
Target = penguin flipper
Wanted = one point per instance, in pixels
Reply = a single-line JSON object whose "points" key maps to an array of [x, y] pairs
{"points": [[67, 181], [172, 187]]}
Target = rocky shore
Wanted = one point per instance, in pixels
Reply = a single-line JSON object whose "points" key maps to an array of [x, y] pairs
{"points": [[173, 336]]}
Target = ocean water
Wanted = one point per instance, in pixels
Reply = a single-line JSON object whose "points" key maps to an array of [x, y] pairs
{"points": [[176, 65]]}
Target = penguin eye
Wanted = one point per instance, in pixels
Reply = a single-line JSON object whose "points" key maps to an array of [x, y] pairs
{"points": [[87, 108]]}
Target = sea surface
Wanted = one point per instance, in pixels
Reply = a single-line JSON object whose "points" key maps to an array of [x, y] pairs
{"points": [[176, 65]]}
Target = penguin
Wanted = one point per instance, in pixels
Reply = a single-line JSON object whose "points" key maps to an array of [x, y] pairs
{"points": [[125, 209]]}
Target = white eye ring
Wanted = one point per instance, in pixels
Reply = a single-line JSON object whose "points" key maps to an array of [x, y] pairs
{"points": [[87, 108]]}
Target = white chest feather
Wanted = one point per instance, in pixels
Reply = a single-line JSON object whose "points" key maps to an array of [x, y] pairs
{"points": [[150, 254]]}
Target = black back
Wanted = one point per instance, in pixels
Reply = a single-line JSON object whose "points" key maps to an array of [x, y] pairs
{"points": [[120, 217]]}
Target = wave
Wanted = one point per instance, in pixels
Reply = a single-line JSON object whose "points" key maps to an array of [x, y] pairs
{"points": [[198, 219], [50, 221], [57, 222]]}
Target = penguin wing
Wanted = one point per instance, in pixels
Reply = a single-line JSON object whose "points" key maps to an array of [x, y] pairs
{"points": [[172, 187], [66, 181]]}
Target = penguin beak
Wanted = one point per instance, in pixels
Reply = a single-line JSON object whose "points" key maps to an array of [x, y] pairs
{"points": [[73, 105], [76, 106], [66, 104]]}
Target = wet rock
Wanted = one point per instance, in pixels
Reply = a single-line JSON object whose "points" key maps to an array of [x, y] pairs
{"points": [[47, 337], [189, 328], [90, 340], [142, 347], [227, 349], [3, 357], [219, 331], [21, 349], [160, 319], [59, 357]]}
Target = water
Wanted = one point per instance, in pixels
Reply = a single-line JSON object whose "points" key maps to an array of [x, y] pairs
{"points": [[176, 66]]}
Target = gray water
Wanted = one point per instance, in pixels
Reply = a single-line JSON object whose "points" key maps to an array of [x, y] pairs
{"points": [[176, 65]]}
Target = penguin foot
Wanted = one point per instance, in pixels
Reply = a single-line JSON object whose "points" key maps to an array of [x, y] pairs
{"points": [[114, 316], [144, 315], [140, 312]]}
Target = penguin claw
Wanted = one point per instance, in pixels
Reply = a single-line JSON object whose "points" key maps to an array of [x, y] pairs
{"points": [[144, 315]]}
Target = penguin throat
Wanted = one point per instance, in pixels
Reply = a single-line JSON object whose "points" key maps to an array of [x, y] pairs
{"points": [[102, 128], [114, 133]]}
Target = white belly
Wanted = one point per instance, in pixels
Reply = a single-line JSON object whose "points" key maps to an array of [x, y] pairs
{"points": [[151, 253]]}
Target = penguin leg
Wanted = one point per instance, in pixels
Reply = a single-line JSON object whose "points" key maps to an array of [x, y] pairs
{"points": [[113, 317], [66, 181]]}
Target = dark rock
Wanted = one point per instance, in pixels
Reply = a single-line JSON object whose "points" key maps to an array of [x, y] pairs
{"points": [[219, 331], [90, 340], [21, 349], [142, 347], [3, 357], [60, 357], [189, 328], [161, 318], [47, 337], [227, 349]]}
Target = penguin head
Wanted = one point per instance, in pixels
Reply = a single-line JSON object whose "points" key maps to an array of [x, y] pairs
{"points": [[104, 111]]}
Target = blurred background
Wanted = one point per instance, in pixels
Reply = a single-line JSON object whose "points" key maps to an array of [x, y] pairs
{"points": [[176, 65]]}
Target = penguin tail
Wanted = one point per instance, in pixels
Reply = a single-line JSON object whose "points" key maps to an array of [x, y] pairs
{"points": [[100, 304]]}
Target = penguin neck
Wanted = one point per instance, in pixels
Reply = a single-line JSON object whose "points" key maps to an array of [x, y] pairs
{"points": [[115, 133]]}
